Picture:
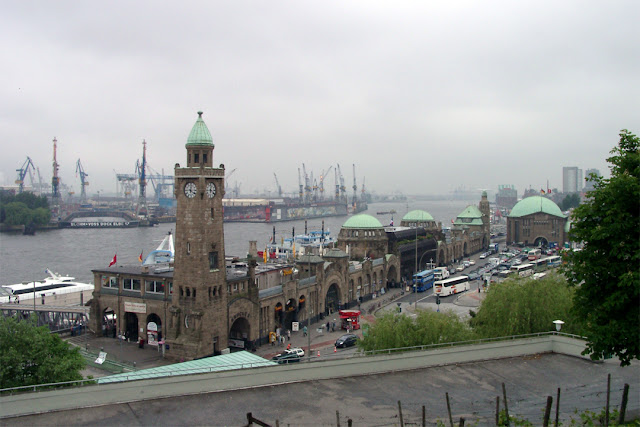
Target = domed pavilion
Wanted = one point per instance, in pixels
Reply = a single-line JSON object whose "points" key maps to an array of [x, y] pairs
{"points": [[537, 221]]}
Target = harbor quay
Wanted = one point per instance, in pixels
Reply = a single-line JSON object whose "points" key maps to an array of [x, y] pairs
{"points": [[203, 304]]}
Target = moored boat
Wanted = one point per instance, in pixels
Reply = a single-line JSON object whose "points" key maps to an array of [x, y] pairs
{"points": [[55, 284]]}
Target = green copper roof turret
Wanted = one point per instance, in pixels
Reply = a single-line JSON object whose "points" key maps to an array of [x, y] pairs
{"points": [[200, 134]]}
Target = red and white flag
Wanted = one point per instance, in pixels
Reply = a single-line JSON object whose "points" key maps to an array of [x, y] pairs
{"points": [[113, 261]]}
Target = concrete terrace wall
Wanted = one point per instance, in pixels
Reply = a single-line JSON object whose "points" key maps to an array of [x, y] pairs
{"points": [[101, 395]]}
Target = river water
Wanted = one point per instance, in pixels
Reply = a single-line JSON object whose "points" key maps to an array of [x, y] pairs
{"points": [[75, 252]]}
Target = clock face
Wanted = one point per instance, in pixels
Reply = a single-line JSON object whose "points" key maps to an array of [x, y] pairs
{"points": [[211, 190], [190, 190]]}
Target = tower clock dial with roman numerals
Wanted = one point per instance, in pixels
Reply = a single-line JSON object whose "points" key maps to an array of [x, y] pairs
{"points": [[190, 190], [211, 190]]}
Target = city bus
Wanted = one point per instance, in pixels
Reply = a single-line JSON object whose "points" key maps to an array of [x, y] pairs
{"points": [[534, 254], [522, 270], [452, 285], [423, 280], [539, 264], [554, 261]]}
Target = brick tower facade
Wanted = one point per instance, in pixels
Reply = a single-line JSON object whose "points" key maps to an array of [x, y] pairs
{"points": [[197, 318]]}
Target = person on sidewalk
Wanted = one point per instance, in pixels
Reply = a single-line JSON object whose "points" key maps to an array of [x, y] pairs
{"points": [[304, 331], [288, 335]]}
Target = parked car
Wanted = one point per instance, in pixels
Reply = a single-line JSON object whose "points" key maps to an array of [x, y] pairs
{"points": [[483, 255], [474, 276], [472, 262], [298, 351], [347, 340], [286, 358], [460, 267]]}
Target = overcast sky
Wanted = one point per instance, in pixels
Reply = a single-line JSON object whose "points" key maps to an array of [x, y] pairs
{"points": [[424, 97]]}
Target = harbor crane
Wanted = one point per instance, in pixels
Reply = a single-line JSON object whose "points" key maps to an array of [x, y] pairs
{"points": [[355, 187], [278, 185], [141, 170], [83, 180], [55, 180], [226, 180], [323, 175], [27, 168], [307, 183], [300, 186], [343, 187]]}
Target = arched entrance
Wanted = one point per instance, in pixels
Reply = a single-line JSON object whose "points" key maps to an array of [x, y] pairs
{"points": [[290, 314], [154, 329], [332, 300], [441, 259], [392, 273], [239, 334], [131, 326], [278, 314], [541, 242], [465, 250], [109, 323]]}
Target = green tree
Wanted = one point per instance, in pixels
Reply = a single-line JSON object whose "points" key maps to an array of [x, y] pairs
{"points": [[32, 355], [41, 216], [524, 306], [570, 201], [606, 270], [17, 213], [428, 327]]}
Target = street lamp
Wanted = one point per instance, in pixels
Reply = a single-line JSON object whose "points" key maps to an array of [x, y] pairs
{"points": [[558, 324]]}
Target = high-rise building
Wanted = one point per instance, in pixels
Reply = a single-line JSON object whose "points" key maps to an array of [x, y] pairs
{"points": [[571, 179], [588, 185]]}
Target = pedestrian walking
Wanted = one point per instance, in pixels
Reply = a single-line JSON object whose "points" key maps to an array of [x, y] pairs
{"points": [[288, 335], [304, 331], [328, 326]]}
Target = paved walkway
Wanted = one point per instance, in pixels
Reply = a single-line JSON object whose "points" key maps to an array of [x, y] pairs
{"points": [[323, 341]]}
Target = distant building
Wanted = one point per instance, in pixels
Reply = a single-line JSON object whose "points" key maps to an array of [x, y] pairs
{"points": [[588, 185], [507, 196], [537, 221], [571, 179]]}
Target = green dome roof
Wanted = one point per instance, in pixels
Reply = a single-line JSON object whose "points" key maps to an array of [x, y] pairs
{"points": [[535, 204], [362, 221], [200, 134], [417, 216]]}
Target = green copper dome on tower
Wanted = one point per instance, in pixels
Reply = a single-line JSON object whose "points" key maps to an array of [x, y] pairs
{"points": [[362, 221], [200, 134]]}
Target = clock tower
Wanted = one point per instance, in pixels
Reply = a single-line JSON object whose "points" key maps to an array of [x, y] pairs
{"points": [[197, 316]]}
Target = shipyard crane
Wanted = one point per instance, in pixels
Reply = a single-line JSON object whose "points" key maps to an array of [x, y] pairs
{"points": [[355, 187], [343, 187], [226, 179], [323, 175], [300, 186], [27, 168], [141, 170], [363, 190], [307, 183], [83, 180], [337, 183], [55, 180], [278, 185]]}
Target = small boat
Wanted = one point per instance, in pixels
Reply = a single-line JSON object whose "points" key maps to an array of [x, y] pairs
{"points": [[287, 247], [163, 254], [391, 212], [55, 284]]}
